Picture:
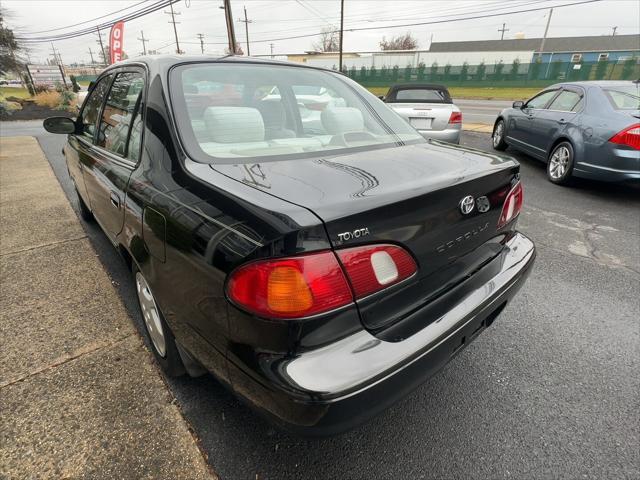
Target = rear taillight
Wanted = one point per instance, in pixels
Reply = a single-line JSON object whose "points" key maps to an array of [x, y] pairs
{"points": [[456, 117], [512, 205], [372, 268], [298, 287], [629, 137], [290, 287]]}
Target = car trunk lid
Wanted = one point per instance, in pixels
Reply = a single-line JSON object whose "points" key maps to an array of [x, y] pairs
{"points": [[408, 196], [426, 116]]}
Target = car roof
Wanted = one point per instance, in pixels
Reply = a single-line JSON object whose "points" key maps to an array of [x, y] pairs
{"points": [[414, 86], [596, 83], [161, 63]]}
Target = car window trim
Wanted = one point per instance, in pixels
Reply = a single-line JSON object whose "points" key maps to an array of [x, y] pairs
{"points": [[578, 91], [115, 72]]}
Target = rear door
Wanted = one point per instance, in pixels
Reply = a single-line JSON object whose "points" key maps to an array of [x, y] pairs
{"points": [[553, 120], [115, 151]]}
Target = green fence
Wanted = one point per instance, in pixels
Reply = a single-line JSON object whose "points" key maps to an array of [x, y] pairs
{"points": [[499, 74]]}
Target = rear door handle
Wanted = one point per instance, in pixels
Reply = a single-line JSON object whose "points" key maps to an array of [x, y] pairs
{"points": [[115, 199]]}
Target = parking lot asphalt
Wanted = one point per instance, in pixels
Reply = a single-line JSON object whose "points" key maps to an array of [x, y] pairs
{"points": [[551, 390], [480, 111]]}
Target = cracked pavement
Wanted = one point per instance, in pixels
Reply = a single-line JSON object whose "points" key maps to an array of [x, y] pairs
{"points": [[551, 390]]}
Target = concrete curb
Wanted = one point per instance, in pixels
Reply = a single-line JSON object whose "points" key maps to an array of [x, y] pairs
{"points": [[81, 396], [477, 127]]}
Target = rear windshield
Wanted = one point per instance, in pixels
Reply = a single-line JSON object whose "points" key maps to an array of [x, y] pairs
{"points": [[624, 97], [421, 95], [229, 112]]}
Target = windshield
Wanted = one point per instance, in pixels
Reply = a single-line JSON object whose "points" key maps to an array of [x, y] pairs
{"points": [[624, 97], [243, 111]]}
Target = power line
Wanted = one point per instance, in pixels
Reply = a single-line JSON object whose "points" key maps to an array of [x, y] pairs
{"points": [[63, 36]]}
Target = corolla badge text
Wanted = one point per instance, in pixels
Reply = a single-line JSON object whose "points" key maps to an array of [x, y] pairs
{"points": [[461, 238], [359, 232]]}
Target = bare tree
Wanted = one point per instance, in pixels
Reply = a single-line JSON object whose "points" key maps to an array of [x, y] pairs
{"points": [[329, 41], [401, 42]]}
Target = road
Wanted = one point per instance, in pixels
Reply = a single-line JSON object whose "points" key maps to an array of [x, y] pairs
{"points": [[549, 391], [481, 111]]}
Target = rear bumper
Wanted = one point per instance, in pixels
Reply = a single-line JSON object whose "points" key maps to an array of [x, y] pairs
{"points": [[451, 135], [338, 386], [610, 164]]}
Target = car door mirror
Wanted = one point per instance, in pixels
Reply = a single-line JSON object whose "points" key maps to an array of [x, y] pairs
{"points": [[59, 125], [518, 104]]}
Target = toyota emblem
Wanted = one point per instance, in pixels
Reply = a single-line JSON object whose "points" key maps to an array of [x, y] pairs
{"points": [[467, 204]]}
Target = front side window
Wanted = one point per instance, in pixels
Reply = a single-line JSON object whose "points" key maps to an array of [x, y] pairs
{"points": [[91, 110], [119, 112], [567, 101], [541, 100], [279, 112]]}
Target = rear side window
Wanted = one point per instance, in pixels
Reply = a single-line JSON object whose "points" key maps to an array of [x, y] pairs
{"points": [[91, 110], [541, 100], [119, 112], [567, 101], [422, 95], [624, 97]]}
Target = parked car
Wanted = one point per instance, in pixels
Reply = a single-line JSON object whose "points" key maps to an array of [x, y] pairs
{"points": [[320, 277], [581, 129], [428, 108]]}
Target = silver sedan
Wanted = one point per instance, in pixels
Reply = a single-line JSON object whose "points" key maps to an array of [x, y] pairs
{"points": [[428, 108]]}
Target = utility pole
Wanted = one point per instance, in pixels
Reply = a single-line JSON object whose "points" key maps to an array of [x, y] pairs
{"points": [[231, 34], [93, 62], [341, 31], [271, 45], [56, 55], [614, 31], [503, 30], [104, 55], [546, 30], [144, 42], [201, 38], [175, 30], [246, 28]]}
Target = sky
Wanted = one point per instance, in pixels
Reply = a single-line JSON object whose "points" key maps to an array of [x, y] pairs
{"points": [[285, 18]]}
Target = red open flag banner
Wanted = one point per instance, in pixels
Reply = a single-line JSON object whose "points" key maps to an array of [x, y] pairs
{"points": [[116, 38]]}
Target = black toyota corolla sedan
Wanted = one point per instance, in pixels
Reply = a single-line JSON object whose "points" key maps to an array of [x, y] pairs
{"points": [[320, 270]]}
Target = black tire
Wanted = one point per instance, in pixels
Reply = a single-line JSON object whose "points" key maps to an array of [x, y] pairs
{"points": [[560, 164], [497, 137], [85, 212], [166, 352]]}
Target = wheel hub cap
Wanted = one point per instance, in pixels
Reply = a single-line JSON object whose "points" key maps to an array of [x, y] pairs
{"points": [[559, 163], [151, 315], [497, 135]]}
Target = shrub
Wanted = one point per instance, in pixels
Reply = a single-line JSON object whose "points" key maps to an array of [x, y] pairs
{"points": [[41, 88], [421, 69], [47, 99], [74, 84], [66, 99], [434, 71], [7, 108]]}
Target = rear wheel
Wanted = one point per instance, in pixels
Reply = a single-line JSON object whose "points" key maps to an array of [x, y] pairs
{"points": [[560, 165], [497, 138], [162, 340]]}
